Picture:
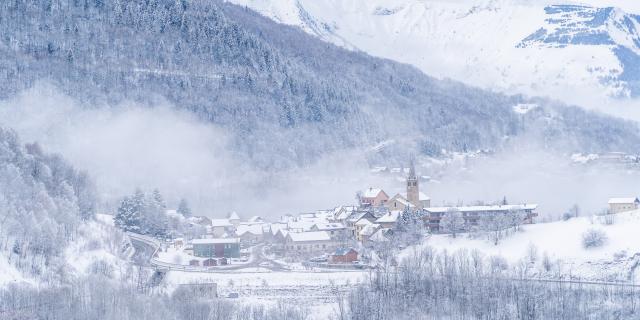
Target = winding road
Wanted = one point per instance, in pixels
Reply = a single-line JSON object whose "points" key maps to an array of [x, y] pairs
{"points": [[146, 248]]}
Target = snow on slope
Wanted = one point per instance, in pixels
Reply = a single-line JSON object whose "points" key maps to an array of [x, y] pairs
{"points": [[562, 241], [478, 42]]}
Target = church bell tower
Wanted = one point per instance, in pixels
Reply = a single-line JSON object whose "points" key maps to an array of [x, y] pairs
{"points": [[413, 189]]}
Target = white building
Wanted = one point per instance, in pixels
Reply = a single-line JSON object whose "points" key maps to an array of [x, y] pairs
{"points": [[309, 242], [617, 205]]}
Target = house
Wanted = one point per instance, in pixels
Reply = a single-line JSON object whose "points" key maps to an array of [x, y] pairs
{"points": [[250, 234], [617, 205], [389, 220], [361, 224], [210, 262], [382, 235], [344, 255], [220, 227], [373, 197], [220, 247], [366, 232], [200, 220], [194, 262], [342, 213], [307, 242], [336, 230], [472, 214]]}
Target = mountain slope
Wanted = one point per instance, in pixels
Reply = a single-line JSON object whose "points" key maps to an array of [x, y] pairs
{"points": [[480, 42], [286, 98]]}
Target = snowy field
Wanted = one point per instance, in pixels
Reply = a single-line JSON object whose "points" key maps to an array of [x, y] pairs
{"points": [[561, 241]]}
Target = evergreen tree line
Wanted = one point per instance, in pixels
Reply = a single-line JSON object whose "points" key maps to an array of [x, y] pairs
{"points": [[285, 96], [146, 213]]}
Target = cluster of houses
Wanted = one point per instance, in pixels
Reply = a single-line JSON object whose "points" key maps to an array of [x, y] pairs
{"points": [[338, 232]]}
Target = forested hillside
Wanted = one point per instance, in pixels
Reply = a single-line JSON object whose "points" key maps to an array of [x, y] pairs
{"points": [[43, 202], [285, 96]]}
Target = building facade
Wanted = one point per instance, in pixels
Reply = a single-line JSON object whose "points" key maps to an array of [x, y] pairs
{"points": [[216, 248], [617, 205]]}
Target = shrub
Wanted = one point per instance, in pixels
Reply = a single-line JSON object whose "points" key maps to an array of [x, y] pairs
{"points": [[593, 238]]}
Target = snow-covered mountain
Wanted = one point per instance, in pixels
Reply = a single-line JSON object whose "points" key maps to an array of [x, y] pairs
{"points": [[587, 53]]}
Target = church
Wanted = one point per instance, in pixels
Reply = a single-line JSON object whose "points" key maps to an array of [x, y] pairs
{"points": [[412, 199]]}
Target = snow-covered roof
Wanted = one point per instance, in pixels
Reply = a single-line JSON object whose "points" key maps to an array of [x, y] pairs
{"points": [[404, 201], [309, 236], [234, 216], [506, 207], [369, 229], [343, 212], [357, 216], [300, 225], [343, 251], [623, 200], [363, 222], [390, 217], [380, 235], [371, 192], [277, 226], [252, 228], [329, 226], [215, 240], [255, 219], [421, 196], [221, 223]]}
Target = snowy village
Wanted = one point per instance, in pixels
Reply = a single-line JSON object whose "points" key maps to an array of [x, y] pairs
{"points": [[371, 234]]}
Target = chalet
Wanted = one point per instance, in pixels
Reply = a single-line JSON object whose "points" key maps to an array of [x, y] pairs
{"points": [[472, 214], [366, 232], [373, 197], [306, 242], [249, 236], [617, 205], [357, 216], [336, 230], [216, 248], [344, 255], [382, 235], [359, 226], [389, 220], [220, 227]]}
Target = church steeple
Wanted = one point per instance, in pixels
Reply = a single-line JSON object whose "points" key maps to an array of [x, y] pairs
{"points": [[413, 188]]}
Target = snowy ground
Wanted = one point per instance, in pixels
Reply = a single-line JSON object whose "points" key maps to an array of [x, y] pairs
{"points": [[616, 260], [317, 290]]}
